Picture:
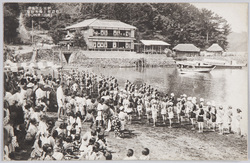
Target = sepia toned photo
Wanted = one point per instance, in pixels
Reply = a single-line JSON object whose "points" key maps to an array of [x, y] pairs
{"points": [[125, 81]]}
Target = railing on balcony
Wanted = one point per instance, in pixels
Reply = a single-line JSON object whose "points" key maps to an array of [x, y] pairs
{"points": [[111, 34]]}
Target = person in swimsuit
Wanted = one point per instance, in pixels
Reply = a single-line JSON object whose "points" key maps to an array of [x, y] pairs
{"points": [[200, 119], [178, 111], [163, 110], [170, 114], [148, 109], [219, 119], [139, 108], [213, 113], [193, 116], [154, 110]]}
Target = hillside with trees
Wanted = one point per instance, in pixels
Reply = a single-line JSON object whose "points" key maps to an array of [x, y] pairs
{"points": [[171, 22]]}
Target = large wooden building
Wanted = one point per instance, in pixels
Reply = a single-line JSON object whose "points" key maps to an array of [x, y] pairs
{"points": [[105, 34], [186, 50]]}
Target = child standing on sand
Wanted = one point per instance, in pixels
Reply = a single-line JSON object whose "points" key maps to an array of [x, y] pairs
{"points": [[213, 113], [178, 109], [148, 109], [170, 114], [154, 110], [163, 110], [237, 121], [219, 119], [200, 119]]}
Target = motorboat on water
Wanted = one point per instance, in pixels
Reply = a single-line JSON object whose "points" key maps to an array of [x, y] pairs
{"points": [[194, 67]]}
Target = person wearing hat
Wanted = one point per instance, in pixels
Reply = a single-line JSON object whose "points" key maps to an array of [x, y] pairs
{"points": [[200, 119], [128, 108], [193, 115], [237, 121], [60, 100], [213, 113], [139, 108], [123, 117], [148, 109], [99, 117], [170, 113], [171, 99], [229, 115], [154, 109], [178, 110], [208, 116], [219, 119], [189, 106], [163, 110]]}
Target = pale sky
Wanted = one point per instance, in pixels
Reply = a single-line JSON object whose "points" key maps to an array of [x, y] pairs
{"points": [[236, 14]]}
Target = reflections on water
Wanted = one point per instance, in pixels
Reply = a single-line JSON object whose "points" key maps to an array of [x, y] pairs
{"points": [[224, 87]]}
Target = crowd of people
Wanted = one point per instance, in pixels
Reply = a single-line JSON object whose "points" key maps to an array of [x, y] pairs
{"points": [[81, 97]]}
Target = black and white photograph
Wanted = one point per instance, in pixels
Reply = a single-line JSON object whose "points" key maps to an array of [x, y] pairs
{"points": [[124, 81]]}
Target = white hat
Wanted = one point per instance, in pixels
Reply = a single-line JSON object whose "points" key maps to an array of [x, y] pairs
{"points": [[30, 85], [184, 95], [121, 108], [172, 94], [201, 100], [194, 100], [208, 103]]}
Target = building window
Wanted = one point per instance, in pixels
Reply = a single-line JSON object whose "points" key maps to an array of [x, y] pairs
{"points": [[97, 32], [122, 33], [110, 32]]}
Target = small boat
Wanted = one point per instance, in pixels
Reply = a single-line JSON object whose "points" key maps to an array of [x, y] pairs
{"points": [[194, 67], [223, 64]]}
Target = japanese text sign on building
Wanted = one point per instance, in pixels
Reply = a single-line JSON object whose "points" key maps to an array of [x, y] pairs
{"points": [[35, 11]]}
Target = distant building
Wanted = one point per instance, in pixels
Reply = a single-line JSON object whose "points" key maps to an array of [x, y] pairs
{"points": [[214, 49], [105, 34], [186, 50], [154, 46]]}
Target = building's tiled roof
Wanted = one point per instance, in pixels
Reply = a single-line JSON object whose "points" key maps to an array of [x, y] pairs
{"points": [[215, 48], [102, 23], [186, 48], [154, 42]]}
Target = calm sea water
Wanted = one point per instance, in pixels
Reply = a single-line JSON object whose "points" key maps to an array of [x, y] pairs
{"points": [[223, 86]]}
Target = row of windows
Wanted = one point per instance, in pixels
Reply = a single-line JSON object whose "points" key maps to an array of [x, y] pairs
{"points": [[98, 32], [111, 45]]}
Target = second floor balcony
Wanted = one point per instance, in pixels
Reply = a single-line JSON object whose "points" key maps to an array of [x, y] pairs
{"points": [[112, 33]]}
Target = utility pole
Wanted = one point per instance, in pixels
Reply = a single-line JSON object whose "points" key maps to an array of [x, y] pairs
{"points": [[32, 35]]}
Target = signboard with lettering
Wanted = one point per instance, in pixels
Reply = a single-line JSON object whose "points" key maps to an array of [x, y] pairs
{"points": [[35, 11]]}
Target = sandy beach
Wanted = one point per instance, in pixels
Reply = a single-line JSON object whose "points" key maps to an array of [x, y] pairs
{"points": [[177, 143]]}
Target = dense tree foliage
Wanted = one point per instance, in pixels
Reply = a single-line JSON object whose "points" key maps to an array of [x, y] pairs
{"points": [[171, 22], [11, 13]]}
